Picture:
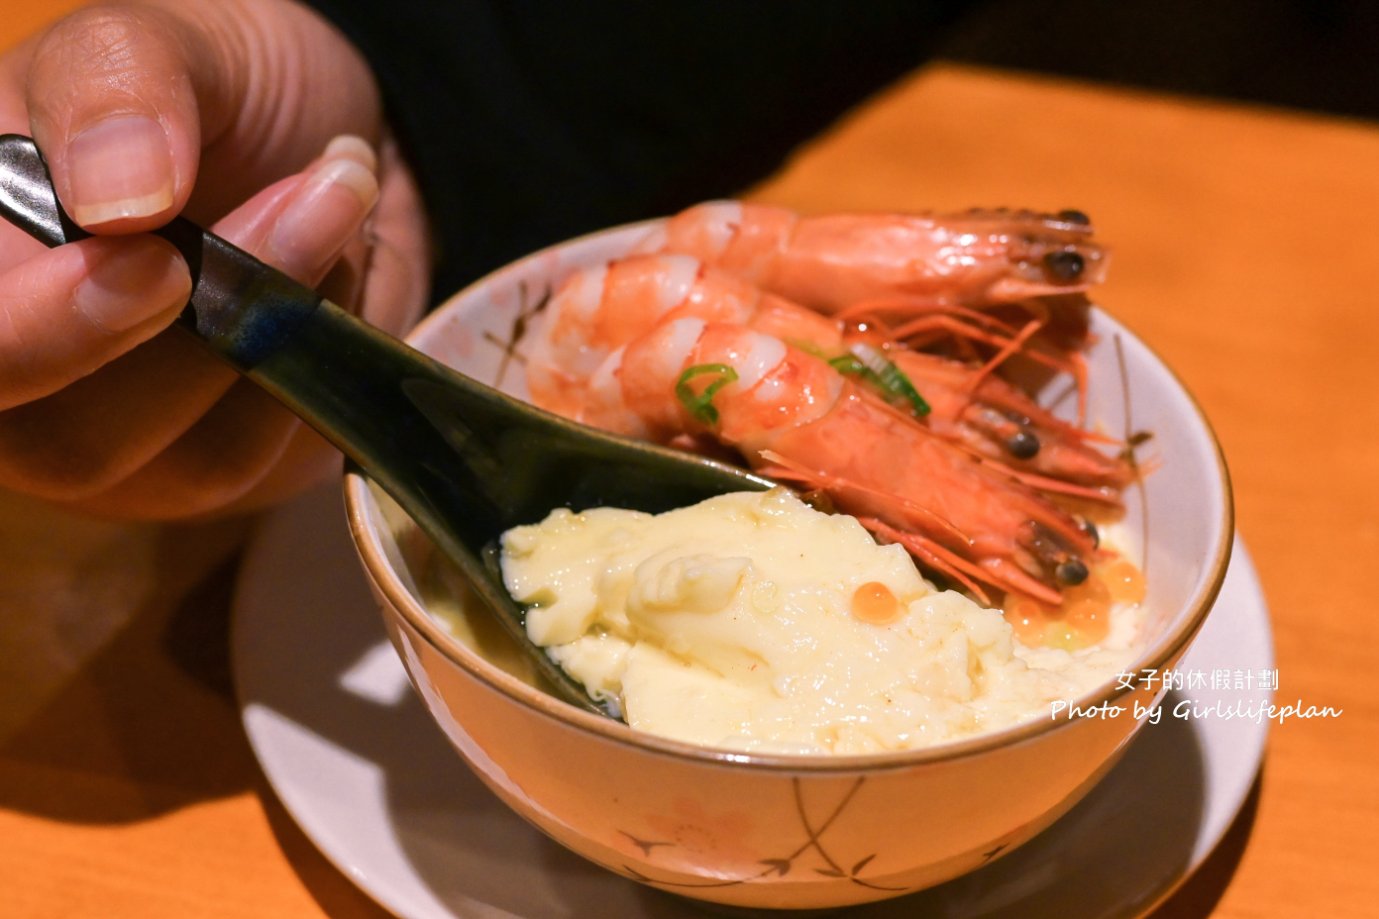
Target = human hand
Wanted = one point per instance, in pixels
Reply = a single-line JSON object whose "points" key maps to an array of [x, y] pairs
{"points": [[219, 109]]}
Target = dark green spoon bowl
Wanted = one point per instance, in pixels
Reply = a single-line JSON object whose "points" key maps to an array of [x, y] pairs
{"points": [[464, 460]]}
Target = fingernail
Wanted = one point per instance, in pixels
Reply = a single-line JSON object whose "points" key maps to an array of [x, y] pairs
{"points": [[326, 212], [350, 147], [126, 287], [120, 167]]}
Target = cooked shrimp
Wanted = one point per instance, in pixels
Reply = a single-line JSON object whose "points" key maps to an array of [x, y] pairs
{"points": [[606, 306], [792, 415], [833, 262]]}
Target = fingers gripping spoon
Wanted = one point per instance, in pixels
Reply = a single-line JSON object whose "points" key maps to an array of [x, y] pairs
{"points": [[465, 461]]}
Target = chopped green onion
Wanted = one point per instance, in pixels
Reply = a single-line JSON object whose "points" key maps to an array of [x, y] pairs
{"points": [[871, 365], [850, 366], [700, 405]]}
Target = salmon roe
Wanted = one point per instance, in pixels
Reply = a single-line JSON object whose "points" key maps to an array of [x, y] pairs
{"points": [[1084, 617], [874, 603]]}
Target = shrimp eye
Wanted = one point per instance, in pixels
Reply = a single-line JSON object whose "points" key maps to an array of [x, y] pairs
{"points": [[1022, 445], [1065, 265], [1072, 215], [1071, 572], [1090, 529]]}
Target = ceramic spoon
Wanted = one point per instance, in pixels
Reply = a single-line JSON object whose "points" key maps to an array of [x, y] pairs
{"points": [[465, 461]]}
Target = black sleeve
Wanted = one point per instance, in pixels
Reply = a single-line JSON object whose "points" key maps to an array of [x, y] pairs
{"points": [[529, 122]]}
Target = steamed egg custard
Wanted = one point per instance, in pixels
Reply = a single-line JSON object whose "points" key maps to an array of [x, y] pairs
{"points": [[753, 622]]}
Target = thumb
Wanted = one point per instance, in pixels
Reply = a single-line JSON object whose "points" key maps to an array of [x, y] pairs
{"points": [[126, 101], [113, 106]]}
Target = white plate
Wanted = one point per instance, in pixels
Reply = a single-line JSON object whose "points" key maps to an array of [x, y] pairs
{"points": [[373, 782]]}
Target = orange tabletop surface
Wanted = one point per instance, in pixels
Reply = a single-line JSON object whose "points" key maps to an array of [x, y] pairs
{"points": [[1246, 251]]}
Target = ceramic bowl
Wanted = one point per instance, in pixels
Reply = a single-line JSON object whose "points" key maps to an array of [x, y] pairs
{"points": [[786, 831]]}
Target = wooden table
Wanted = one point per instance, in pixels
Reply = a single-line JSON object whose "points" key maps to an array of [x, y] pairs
{"points": [[1247, 253]]}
